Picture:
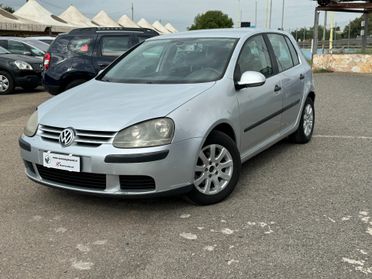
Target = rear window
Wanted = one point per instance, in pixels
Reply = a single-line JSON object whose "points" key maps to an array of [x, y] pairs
{"points": [[81, 45]]}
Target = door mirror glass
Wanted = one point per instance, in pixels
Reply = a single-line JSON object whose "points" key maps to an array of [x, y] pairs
{"points": [[250, 79]]}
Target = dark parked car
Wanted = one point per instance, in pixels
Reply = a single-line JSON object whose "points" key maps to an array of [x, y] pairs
{"points": [[79, 55], [18, 70], [24, 46]]}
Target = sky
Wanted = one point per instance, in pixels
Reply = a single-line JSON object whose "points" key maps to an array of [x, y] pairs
{"points": [[298, 13]]}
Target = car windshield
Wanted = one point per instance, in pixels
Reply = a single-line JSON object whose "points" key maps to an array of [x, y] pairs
{"points": [[3, 50], [174, 61]]}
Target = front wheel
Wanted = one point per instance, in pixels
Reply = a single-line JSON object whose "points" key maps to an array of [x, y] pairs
{"points": [[6, 83], [217, 170], [306, 128]]}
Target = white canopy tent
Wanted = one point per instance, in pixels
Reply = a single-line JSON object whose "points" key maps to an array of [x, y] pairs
{"points": [[11, 22], [170, 28], [103, 19], [75, 17], [144, 24], [125, 21], [160, 28], [33, 11]]}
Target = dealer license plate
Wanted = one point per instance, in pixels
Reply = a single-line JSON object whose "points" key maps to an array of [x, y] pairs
{"points": [[61, 162]]}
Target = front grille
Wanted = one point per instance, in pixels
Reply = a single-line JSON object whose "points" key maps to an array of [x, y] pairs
{"points": [[83, 137], [136, 182], [80, 179]]}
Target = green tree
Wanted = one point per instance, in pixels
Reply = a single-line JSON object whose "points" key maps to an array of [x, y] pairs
{"points": [[212, 20], [7, 8], [356, 26]]}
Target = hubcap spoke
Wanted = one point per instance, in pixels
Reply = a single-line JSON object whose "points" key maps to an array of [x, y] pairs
{"points": [[207, 187], [226, 165], [221, 155], [199, 180], [203, 158]]}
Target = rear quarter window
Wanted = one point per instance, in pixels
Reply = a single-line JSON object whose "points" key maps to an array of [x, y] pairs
{"points": [[81, 45]]}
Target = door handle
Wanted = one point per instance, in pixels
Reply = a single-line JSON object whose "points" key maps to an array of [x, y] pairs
{"points": [[302, 77], [277, 88]]}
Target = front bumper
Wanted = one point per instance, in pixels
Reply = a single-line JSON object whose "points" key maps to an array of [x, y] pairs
{"points": [[27, 78], [171, 166]]}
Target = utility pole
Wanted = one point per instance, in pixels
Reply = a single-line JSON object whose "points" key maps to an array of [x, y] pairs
{"points": [[255, 15], [348, 35], [132, 11], [324, 31], [271, 12], [303, 44], [283, 14], [365, 32]]}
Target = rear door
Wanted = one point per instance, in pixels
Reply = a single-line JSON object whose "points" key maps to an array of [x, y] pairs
{"points": [[292, 77], [109, 47], [260, 107]]}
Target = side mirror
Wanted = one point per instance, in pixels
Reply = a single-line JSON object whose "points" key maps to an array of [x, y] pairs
{"points": [[250, 79]]}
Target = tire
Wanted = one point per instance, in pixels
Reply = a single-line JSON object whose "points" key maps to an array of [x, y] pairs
{"points": [[214, 182], [304, 132], [30, 87], [74, 83], [6, 83]]}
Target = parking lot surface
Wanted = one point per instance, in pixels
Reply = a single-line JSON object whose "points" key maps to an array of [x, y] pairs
{"points": [[299, 211]]}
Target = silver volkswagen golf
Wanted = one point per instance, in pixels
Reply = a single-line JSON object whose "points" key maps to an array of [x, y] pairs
{"points": [[177, 114]]}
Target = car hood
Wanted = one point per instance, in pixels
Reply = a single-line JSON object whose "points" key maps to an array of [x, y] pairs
{"points": [[25, 58], [103, 106]]}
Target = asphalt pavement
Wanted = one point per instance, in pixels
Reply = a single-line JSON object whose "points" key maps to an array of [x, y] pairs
{"points": [[299, 211]]}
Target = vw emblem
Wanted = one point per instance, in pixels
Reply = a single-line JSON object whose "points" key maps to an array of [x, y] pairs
{"points": [[67, 136]]}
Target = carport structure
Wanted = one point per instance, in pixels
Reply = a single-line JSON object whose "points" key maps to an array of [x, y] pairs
{"points": [[364, 8]]}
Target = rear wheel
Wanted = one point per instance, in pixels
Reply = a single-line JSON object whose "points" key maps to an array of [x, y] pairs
{"points": [[305, 130], [75, 83], [217, 170], [6, 83]]}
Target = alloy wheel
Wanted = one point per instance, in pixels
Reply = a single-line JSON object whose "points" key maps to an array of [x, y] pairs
{"points": [[213, 170], [4, 83], [308, 120]]}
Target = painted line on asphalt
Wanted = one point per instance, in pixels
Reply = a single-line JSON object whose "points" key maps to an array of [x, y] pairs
{"points": [[342, 137]]}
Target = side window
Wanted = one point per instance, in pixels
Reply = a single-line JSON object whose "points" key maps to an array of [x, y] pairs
{"points": [[18, 47], [115, 45], [281, 51], [254, 57], [293, 51], [81, 45]]}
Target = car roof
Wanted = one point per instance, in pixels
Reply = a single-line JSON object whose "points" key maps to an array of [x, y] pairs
{"points": [[216, 33]]}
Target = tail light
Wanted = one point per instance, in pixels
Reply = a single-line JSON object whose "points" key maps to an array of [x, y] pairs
{"points": [[46, 61]]}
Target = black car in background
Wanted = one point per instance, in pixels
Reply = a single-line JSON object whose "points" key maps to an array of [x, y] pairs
{"points": [[18, 70], [24, 46], [79, 55]]}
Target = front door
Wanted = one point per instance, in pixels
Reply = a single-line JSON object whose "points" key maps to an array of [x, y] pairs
{"points": [[260, 107]]}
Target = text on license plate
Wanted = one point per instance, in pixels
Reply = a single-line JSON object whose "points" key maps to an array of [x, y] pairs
{"points": [[61, 162]]}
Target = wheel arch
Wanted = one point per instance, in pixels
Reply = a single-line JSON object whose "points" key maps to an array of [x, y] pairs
{"points": [[71, 76], [311, 95]]}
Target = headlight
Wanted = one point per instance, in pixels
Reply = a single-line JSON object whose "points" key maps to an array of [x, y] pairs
{"points": [[22, 65], [31, 126], [146, 134]]}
